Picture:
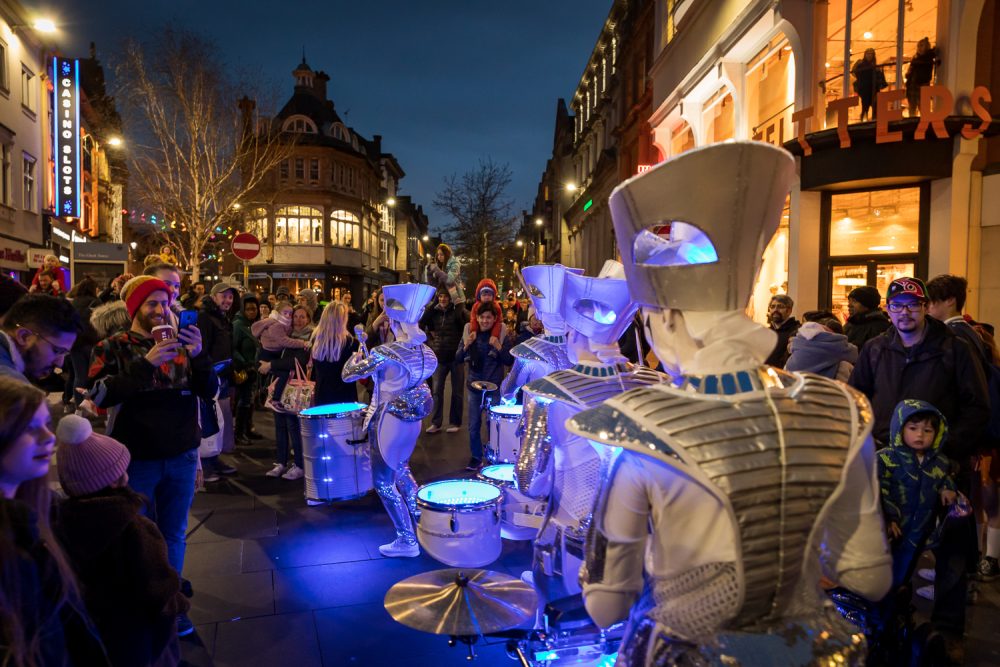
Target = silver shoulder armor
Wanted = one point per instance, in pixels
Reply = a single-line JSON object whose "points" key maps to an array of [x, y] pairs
{"points": [[533, 470], [413, 404]]}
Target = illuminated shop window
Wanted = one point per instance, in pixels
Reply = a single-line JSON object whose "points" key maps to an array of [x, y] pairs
{"points": [[344, 229], [773, 276], [874, 24], [257, 225], [881, 222], [719, 118], [770, 92], [298, 225]]}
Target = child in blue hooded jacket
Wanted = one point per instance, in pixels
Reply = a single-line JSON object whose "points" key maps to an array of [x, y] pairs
{"points": [[916, 483]]}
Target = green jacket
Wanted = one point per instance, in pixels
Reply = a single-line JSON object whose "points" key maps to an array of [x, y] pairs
{"points": [[245, 345]]}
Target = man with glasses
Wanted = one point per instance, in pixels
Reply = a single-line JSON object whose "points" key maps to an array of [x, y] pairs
{"points": [[922, 358], [38, 332]]}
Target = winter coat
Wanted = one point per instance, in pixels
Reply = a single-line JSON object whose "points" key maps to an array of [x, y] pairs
{"points": [[110, 318], [120, 559], [485, 362], [862, 327], [275, 335], [910, 488], [67, 635], [245, 344], [448, 278], [11, 363], [941, 370], [216, 332], [156, 407], [473, 316], [443, 327], [785, 331], [816, 350], [330, 386]]}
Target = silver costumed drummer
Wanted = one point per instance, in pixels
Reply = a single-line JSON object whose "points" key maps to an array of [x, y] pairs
{"points": [[756, 482], [540, 355], [555, 465], [400, 399]]}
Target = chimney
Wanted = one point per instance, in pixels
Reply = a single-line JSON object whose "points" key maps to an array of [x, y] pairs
{"points": [[319, 85]]}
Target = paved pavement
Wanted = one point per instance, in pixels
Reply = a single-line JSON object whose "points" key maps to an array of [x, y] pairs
{"points": [[280, 583]]}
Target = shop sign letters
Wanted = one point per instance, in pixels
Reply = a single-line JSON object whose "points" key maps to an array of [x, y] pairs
{"points": [[937, 103]]}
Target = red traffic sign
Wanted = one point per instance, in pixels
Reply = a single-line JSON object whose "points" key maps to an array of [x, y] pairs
{"points": [[246, 246]]}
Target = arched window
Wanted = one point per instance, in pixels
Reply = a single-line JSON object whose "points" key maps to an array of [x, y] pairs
{"points": [[345, 232], [302, 225], [256, 224], [299, 124], [339, 132]]}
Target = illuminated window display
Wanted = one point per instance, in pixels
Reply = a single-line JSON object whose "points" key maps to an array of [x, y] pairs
{"points": [[719, 118], [298, 225], [770, 92]]}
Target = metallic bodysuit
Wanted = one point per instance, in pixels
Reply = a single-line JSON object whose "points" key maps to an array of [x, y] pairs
{"points": [[565, 469], [753, 481], [400, 399], [534, 358]]}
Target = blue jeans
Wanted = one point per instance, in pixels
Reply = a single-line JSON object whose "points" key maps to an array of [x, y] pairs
{"points": [[475, 400], [169, 485], [286, 433]]}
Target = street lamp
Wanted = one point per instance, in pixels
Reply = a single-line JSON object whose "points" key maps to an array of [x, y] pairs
{"points": [[425, 238], [520, 243], [115, 142], [391, 201], [44, 25], [571, 187], [539, 222]]}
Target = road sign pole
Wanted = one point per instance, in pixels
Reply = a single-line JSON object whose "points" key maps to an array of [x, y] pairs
{"points": [[246, 276]]}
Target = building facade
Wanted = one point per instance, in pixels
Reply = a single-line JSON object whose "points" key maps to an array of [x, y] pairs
{"points": [[326, 216]]}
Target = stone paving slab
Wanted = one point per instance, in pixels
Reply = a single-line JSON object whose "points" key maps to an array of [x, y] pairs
{"points": [[283, 639]]}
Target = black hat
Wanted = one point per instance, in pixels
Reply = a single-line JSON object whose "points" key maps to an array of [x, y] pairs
{"points": [[10, 292], [868, 297]]}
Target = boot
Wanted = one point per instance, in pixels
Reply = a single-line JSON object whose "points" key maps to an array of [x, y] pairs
{"points": [[250, 433], [241, 425]]}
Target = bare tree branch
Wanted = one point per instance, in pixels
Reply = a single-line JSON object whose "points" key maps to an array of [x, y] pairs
{"points": [[195, 154]]}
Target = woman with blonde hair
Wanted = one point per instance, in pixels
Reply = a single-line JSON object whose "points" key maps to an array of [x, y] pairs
{"points": [[332, 345], [42, 617]]}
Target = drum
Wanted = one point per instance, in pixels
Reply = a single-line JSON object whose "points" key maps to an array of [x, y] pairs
{"points": [[504, 441], [520, 516], [585, 646], [459, 522], [335, 451]]}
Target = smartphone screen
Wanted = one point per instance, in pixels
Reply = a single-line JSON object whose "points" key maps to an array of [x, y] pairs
{"points": [[189, 318]]}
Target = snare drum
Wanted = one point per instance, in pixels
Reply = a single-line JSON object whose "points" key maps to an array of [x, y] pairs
{"points": [[521, 516], [335, 452], [504, 441], [459, 522]]}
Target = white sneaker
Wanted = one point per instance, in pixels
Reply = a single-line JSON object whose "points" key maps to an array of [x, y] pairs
{"points": [[452, 429], [294, 472], [926, 592], [926, 573], [399, 549], [277, 471], [432, 429]]}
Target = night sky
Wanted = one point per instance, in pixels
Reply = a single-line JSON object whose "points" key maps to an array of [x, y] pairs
{"points": [[445, 82]]}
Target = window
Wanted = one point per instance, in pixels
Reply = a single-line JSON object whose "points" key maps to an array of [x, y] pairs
{"points": [[719, 118], [6, 197], [29, 183], [298, 225], [283, 170], [339, 132], [300, 169], [344, 229], [770, 89], [4, 82], [681, 139], [257, 225], [314, 170], [300, 124], [387, 252], [29, 98]]}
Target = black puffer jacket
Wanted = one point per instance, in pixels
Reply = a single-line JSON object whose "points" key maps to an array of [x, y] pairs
{"points": [[779, 356], [216, 331], [443, 327], [862, 327], [941, 370], [120, 558]]}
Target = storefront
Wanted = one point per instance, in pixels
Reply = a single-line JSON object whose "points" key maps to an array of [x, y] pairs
{"points": [[14, 260]]}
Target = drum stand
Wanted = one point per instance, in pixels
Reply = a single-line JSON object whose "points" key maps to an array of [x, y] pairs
{"points": [[484, 388]]}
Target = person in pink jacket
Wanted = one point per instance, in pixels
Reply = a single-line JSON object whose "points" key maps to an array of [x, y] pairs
{"points": [[274, 333]]}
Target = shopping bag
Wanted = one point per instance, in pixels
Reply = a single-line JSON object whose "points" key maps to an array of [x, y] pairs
{"points": [[299, 390]]}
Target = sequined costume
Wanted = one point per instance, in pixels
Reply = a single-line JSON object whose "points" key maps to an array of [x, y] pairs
{"points": [[400, 399], [553, 464], [754, 481], [541, 355]]}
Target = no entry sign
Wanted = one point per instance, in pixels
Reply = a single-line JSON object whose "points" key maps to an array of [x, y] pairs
{"points": [[246, 246]]}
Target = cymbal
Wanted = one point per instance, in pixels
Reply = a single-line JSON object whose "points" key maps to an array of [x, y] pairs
{"points": [[483, 385], [461, 602]]}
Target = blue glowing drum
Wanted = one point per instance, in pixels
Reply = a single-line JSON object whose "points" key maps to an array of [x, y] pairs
{"points": [[504, 439], [520, 516], [459, 522], [335, 451]]}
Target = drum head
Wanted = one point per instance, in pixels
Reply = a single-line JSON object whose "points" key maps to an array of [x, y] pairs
{"points": [[333, 410], [457, 494], [507, 410], [501, 472]]}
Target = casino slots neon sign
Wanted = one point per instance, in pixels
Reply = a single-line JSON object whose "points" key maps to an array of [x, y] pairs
{"points": [[66, 115]]}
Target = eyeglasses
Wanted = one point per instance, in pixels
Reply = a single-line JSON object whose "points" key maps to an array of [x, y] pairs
{"points": [[57, 350], [909, 306]]}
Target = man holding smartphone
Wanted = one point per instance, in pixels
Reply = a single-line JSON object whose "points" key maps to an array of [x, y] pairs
{"points": [[151, 388]]}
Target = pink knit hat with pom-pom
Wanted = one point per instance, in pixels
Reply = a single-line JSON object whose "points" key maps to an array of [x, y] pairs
{"points": [[88, 461]]}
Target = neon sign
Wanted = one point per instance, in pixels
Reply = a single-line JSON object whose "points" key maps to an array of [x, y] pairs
{"points": [[66, 115]]}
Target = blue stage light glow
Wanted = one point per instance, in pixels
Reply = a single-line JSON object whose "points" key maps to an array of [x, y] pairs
{"points": [[501, 472], [458, 492], [332, 409], [507, 410]]}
